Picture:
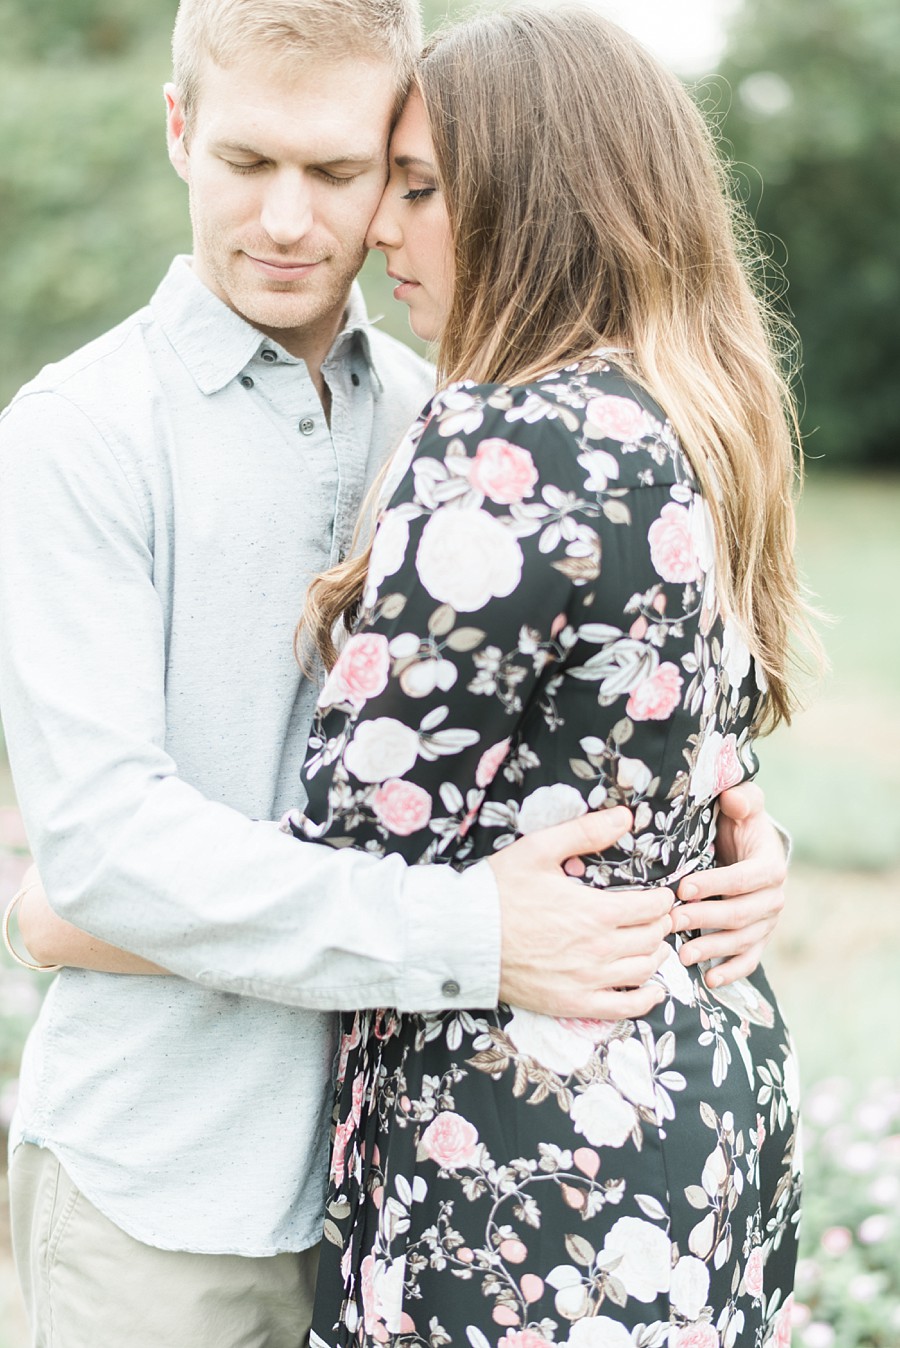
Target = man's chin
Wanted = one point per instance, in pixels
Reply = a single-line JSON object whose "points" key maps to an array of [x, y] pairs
{"points": [[285, 310]]}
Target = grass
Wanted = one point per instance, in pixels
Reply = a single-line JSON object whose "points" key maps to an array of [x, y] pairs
{"points": [[834, 776]]}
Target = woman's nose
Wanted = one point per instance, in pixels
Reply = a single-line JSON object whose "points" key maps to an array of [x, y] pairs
{"points": [[384, 229]]}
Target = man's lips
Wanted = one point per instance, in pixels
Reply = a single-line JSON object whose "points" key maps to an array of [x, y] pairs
{"points": [[281, 269]]}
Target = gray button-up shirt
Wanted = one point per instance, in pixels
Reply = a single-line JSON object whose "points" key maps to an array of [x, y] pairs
{"points": [[165, 495]]}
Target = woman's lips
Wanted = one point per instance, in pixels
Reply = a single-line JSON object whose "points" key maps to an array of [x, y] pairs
{"points": [[405, 289]]}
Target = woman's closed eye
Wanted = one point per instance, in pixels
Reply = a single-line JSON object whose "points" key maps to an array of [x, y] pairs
{"points": [[418, 193]]}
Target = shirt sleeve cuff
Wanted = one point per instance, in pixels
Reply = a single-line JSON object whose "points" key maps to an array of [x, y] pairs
{"points": [[453, 939], [787, 841]]}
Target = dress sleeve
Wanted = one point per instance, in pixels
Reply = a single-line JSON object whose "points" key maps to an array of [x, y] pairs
{"points": [[463, 622]]}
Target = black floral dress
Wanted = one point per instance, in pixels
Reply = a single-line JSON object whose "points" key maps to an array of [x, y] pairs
{"points": [[540, 636]]}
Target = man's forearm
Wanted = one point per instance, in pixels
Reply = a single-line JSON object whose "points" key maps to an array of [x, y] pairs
{"points": [[238, 906]]}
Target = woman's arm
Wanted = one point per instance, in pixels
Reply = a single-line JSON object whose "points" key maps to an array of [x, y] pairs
{"points": [[50, 940]]}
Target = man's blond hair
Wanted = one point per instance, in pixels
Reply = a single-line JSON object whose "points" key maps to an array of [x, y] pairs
{"points": [[283, 31]]}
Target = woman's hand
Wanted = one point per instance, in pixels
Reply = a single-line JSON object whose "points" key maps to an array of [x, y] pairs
{"points": [[736, 926], [50, 940], [567, 950]]}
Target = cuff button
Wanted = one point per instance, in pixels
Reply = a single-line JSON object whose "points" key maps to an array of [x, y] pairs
{"points": [[450, 988]]}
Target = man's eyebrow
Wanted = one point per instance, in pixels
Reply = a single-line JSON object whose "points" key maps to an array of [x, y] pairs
{"points": [[236, 146], [360, 160], [352, 160]]}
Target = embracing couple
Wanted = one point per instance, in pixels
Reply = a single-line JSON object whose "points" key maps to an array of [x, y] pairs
{"points": [[566, 1100]]}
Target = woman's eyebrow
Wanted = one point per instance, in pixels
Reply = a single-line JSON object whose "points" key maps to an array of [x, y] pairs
{"points": [[412, 161]]}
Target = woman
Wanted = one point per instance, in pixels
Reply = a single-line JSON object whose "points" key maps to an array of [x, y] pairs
{"points": [[568, 603]]}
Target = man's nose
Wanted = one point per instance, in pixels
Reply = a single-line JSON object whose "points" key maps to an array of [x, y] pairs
{"points": [[287, 212]]}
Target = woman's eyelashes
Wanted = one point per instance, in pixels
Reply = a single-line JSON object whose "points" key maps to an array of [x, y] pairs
{"points": [[418, 193]]}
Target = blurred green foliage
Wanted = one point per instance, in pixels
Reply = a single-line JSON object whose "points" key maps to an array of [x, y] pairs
{"points": [[814, 122], [91, 212]]}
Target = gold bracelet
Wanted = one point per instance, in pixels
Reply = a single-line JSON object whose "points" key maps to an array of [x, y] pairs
{"points": [[7, 940]]}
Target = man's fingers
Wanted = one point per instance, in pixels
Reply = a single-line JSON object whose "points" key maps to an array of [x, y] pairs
{"points": [[739, 802], [627, 1005], [636, 971], [638, 907], [588, 833]]}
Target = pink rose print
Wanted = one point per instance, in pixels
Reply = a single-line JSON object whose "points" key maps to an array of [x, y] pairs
{"points": [[729, 769], [361, 671], [672, 547], [348, 1042], [503, 472], [701, 1335], [450, 1141], [342, 1135], [370, 1307], [753, 1274], [356, 1100], [657, 697], [782, 1336], [522, 1338], [489, 763], [617, 418], [402, 807]]}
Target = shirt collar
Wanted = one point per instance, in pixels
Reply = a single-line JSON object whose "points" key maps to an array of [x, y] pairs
{"points": [[214, 342]]}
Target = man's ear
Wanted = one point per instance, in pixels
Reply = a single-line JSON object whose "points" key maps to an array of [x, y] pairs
{"points": [[175, 131]]}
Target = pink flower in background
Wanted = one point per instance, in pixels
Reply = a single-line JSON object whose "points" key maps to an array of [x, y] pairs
{"points": [[672, 548], [657, 697], [12, 830], [12, 871], [836, 1240], [402, 807], [503, 472], [616, 418], [489, 763], [450, 1141], [361, 671]]}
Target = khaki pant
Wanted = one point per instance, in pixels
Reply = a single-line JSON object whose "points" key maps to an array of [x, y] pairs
{"points": [[89, 1285]]}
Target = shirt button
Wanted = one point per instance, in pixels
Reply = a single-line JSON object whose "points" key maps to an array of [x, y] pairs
{"points": [[307, 426], [354, 379], [268, 355], [450, 988], [246, 381]]}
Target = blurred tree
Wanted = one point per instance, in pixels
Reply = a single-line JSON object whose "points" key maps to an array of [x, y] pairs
{"points": [[815, 110], [90, 211], [63, 31]]}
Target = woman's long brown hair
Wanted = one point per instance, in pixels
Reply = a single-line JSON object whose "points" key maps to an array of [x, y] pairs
{"points": [[589, 208]]}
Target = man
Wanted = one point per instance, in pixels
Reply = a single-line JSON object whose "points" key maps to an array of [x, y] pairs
{"points": [[187, 473]]}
